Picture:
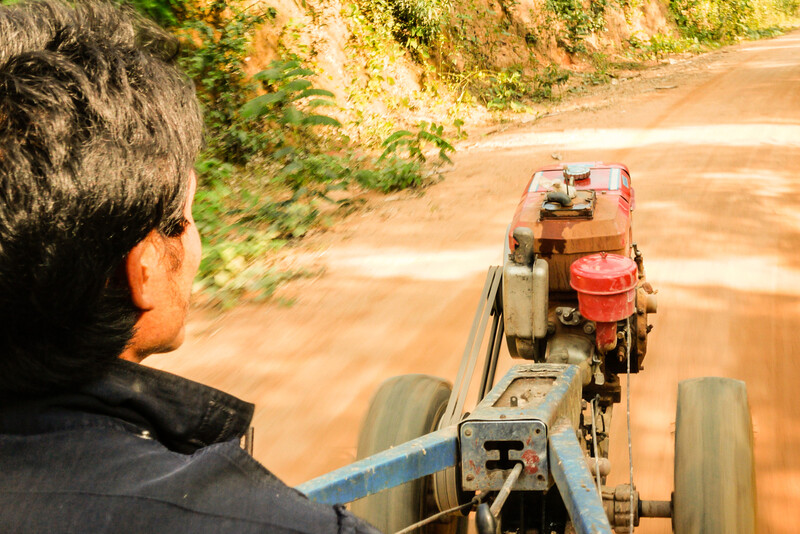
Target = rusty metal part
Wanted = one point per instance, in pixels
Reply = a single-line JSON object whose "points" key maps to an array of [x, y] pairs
{"points": [[523, 252], [639, 259], [601, 464], [645, 302], [655, 508], [617, 503], [652, 303], [560, 205], [569, 316], [610, 392]]}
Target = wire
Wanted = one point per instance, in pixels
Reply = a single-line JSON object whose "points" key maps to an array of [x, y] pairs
{"points": [[594, 445], [411, 528], [628, 410]]}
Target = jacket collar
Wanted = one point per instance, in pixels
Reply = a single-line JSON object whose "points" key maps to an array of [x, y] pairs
{"points": [[182, 414]]}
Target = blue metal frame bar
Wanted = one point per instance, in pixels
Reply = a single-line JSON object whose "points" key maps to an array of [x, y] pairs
{"points": [[398, 465], [578, 490]]}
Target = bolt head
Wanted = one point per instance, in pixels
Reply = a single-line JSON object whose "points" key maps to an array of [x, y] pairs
{"points": [[470, 478], [467, 432]]}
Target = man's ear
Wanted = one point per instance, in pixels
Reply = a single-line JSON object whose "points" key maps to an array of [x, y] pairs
{"points": [[138, 270]]}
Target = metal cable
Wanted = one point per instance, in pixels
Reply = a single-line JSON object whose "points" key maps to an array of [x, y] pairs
{"points": [[628, 410], [435, 517], [594, 444]]}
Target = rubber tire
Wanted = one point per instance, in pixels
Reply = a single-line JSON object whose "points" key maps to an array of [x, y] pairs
{"points": [[404, 407], [715, 485]]}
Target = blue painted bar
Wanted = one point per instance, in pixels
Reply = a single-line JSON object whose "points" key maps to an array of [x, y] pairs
{"points": [[574, 481], [403, 463]]}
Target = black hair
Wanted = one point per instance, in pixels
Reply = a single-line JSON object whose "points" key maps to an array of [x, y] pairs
{"points": [[98, 134]]}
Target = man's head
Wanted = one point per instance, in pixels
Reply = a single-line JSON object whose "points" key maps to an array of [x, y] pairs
{"points": [[98, 134]]}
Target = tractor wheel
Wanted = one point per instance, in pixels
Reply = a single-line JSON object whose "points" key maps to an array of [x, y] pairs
{"points": [[715, 487], [405, 407]]}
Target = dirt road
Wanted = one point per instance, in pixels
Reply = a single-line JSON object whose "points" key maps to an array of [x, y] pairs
{"points": [[714, 149]]}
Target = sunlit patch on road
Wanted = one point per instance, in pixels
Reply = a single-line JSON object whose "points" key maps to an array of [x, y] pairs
{"points": [[414, 264], [763, 274], [738, 135]]}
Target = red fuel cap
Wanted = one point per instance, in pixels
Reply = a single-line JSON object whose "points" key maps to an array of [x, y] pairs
{"points": [[606, 286]]}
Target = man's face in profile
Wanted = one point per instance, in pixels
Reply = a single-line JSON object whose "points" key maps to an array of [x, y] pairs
{"points": [[183, 276], [160, 275]]}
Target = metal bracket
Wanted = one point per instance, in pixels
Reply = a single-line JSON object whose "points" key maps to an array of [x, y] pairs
{"points": [[510, 425]]}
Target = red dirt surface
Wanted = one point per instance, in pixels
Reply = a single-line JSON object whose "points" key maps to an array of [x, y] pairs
{"points": [[713, 144]]}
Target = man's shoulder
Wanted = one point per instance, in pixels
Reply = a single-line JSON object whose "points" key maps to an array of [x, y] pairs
{"points": [[108, 478]]}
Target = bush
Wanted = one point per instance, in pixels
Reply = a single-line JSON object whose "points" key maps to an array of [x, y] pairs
{"points": [[713, 20], [578, 20], [413, 21], [218, 37]]}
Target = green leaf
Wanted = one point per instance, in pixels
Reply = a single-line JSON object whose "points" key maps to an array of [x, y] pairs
{"points": [[296, 85], [260, 104], [316, 92], [269, 75], [292, 115], [317, 102], [321, 120], [395, 136], [299, 72]]}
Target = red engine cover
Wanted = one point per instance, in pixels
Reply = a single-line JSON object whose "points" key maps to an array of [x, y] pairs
{"points": [[606, 286]]}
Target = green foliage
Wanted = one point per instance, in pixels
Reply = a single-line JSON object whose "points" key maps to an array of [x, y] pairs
{"points": [[660, 45], [507, 90], [392, 173], [168, 13], [290, 98], [413, 22], [239, 230], [274, 158], [544, 82], [713, 20], [579, 21], [220, 33], [787, 7], [419, 19], [415, 143], [510, 88]]}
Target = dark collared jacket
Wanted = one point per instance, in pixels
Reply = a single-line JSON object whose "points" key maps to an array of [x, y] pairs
{"points": [[144, 451]]}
